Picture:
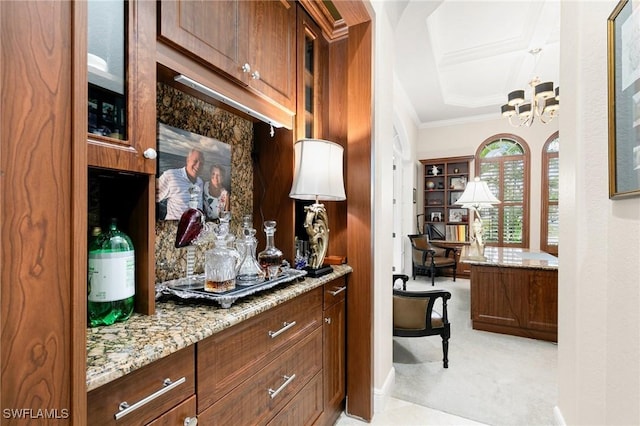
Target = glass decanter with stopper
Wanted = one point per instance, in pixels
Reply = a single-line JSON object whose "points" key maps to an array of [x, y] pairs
{"points": [[222, 261], [271, 257], [249, 272]]}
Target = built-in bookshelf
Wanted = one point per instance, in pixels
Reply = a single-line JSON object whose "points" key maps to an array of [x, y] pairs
{"points": [[444, 182]]}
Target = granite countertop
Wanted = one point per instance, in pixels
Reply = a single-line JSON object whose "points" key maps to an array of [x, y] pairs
{"points": [[116, 350], [513, 257]]}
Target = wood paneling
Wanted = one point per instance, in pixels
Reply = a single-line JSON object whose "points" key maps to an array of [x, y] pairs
{"points": [[272, 179], [359, 232], [334, 128], [43, 207]]}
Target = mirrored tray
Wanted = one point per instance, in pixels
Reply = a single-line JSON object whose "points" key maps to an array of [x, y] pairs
{"points": [[193, 288]]}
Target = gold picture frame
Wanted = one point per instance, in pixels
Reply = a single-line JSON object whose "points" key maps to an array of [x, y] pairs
{"points": [[623, 56]]}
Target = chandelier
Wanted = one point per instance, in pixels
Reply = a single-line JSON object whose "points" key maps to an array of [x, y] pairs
{"points": [[544, 102]]}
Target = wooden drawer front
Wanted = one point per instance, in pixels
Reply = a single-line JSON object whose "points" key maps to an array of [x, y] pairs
{"points": [[228, 358], [254, 401], [103, 403], [304, 408], [335, 291], [178, 415]]}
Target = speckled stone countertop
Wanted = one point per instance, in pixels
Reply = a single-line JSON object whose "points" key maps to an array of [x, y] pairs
{"points": [[513, 257], [116, 350]]}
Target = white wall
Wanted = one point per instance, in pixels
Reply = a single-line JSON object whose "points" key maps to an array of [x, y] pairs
{"points": [[464, 139], [383, 378], [405, 121], [599, 285]]}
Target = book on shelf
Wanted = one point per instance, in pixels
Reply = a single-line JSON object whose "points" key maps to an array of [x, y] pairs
{"points": [[456, 233]]}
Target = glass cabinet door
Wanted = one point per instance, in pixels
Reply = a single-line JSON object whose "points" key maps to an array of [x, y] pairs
{"points": [[106, 65]]}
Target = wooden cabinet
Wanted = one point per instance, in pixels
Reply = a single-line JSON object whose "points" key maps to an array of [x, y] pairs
{"points": [[253, 42], [147, 394], [444, 182], [269, 389], [122, 92], [517, 301], [249, 372], [334, 361], [182, 414], [122, 159]]}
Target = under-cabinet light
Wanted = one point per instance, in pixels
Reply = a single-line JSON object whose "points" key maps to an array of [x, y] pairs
{"points": [[224, 99]]}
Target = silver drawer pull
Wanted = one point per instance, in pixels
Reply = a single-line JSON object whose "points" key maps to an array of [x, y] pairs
{"points": [[285, 327], [190, 421], [168, 385], [288, 379], [338, 291]]}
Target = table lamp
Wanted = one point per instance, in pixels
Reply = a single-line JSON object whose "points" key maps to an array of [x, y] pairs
{"points": [[317, 176], [476, 196]]}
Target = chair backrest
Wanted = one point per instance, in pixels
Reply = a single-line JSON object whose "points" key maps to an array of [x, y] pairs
{"points": [[421, 242], [414, 314]]}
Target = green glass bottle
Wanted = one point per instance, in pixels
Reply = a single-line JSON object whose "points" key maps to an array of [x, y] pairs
{"points": [[111, 285]]}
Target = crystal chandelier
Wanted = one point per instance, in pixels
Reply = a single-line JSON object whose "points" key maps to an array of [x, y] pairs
{"points": [[544, 102]]}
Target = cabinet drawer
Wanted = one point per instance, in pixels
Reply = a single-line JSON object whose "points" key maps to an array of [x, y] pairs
{"points": [[256, 400], [178, 415], [146, 383], [304, 408], [335, 291], [228, 358]]}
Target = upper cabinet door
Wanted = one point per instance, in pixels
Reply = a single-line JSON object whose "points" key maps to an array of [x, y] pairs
{"points": [[253, 42], [121, 92], [272, 49]]}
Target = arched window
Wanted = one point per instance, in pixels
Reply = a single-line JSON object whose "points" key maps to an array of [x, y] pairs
{"points": [[550, 215], [503, 162]]}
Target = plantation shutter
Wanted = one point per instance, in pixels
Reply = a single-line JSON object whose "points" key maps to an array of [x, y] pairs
{"points": [[553, 215], [513, 201], [503, 164], [490, 173]]}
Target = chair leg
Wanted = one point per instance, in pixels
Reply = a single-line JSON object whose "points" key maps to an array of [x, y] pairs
{"points": [[445, 351], [433, 276], [445, 345]]}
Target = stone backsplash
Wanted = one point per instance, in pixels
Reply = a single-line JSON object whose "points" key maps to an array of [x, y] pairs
{"points": [[180, 110]]}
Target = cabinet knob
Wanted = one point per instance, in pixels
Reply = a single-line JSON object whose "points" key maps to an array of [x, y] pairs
{"points": [[246, 68], [327, 320], [190, 421], [150, 153], [255, 75]]}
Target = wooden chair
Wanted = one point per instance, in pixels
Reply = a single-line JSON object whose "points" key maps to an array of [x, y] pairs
{"points": [[427, 257], [414, 315]]}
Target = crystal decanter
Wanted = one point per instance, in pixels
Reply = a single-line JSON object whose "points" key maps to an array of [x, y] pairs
{"points": [[271, 257], [249, 272]]}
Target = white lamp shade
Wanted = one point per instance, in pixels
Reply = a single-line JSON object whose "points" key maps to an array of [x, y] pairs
{"points": [[318, 171], [477, 195]]}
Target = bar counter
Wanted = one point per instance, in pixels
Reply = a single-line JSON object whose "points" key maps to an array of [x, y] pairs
{"points": [[116, 350]]}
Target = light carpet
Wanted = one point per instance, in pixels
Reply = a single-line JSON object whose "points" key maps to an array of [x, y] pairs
{"points": [[492, 378]]}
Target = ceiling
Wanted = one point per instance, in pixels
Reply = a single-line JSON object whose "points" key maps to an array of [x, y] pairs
{"points": [[458, 59]]}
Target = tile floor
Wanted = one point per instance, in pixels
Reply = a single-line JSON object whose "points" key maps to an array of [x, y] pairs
{"points": [[398, 412]]}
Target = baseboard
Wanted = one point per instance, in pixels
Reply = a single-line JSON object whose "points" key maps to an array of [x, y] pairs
{"points": [[558, 418], [381, 396]]}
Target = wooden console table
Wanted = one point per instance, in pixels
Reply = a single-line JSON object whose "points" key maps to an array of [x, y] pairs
{"points": [[515, 291]]}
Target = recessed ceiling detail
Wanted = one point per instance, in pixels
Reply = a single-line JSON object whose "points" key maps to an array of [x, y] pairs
{"points": [[457, 59]]}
